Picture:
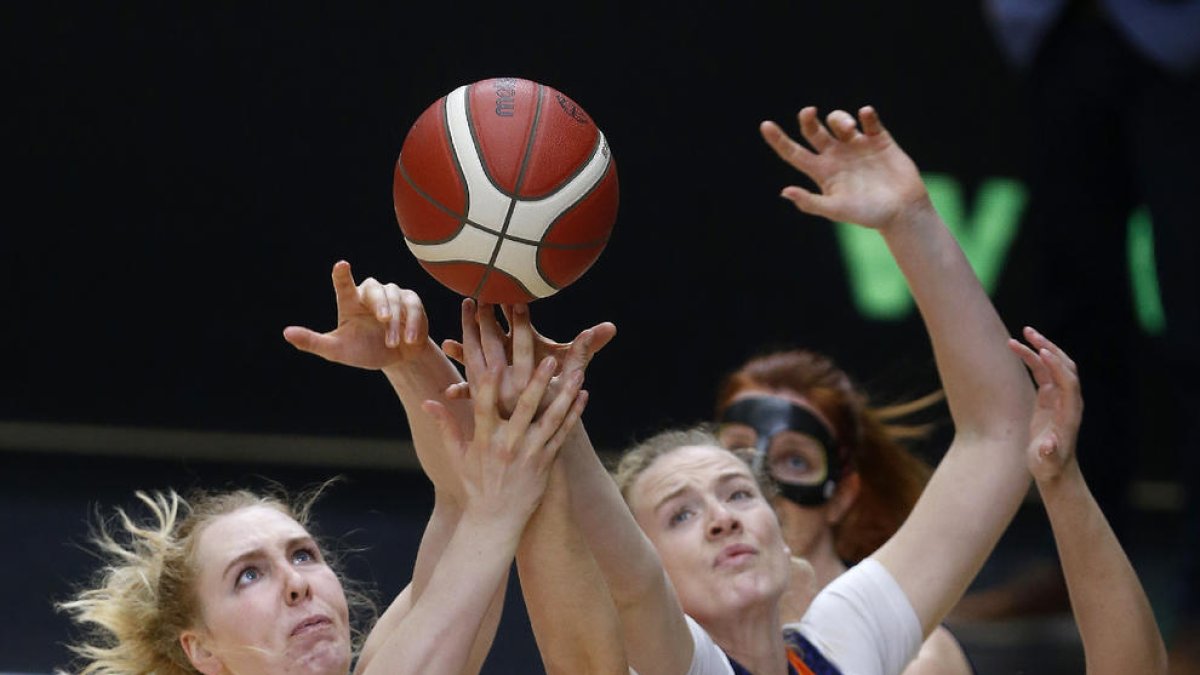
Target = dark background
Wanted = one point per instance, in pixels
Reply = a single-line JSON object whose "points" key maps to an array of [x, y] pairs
{"points": [[180, 181]]}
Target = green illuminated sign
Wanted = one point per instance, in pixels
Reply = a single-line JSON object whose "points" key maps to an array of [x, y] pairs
{"points": [[985, 233]]}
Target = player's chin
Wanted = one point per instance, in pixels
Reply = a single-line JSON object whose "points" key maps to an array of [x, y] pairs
{"points": [[330, 656]]}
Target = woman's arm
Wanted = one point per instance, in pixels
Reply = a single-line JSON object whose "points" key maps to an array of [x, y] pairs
{"points": [[653, 629], [572, 615], [865, 178], [502, 473], [1116, 622], [384, 327]]}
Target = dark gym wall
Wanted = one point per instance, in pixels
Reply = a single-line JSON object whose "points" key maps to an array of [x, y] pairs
{"points": [[181, 180]]}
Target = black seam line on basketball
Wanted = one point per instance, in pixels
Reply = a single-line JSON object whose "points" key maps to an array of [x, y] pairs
{"points": [[477, 148], [512, 200], [578, 169], [500, 238], [608, 167], [434, 263], [529, 140], [458, 170], [533, 242], [441, 207]]}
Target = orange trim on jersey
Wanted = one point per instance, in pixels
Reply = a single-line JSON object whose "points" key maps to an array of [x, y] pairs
{"points": [[801, 668]]}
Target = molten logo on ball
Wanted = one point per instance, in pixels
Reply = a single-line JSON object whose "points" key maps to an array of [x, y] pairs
{"points": [[505, 190]]}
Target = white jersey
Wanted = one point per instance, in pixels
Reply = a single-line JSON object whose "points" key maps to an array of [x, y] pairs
{"points": [[862, 623]]}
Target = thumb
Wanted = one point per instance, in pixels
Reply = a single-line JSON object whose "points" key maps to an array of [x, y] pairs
{"points": [[454, 350], [602, 334], [805, 200], [451, 437], [308, 340]]}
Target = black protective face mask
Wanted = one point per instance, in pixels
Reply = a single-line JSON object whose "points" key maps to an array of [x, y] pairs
{"points": [[769, 415]]}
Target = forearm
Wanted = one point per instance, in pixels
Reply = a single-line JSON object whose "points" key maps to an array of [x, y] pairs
{"points": [[423, 377], [439, 632], [981, 480], [572, 615], [987, 388], [443, 522], [656, 635], [1115, 619]]}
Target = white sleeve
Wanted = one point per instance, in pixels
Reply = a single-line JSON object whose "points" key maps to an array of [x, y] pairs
{"points": [[707, 657], [863, 623]]}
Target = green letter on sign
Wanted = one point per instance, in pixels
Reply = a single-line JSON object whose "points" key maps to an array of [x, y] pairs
{"points": [[876, 284]]}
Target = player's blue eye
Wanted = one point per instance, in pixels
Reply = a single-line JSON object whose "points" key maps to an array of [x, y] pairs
{"points": [[680, 516], [248, 576]]}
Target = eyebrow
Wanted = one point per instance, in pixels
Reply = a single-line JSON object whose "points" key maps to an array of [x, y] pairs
{"points": [[258, 552], [721, 480]]}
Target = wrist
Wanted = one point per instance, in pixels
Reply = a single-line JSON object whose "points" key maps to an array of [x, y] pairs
{"points": [[494, 522], [1067, 484], [915, 209], [424, 373]]}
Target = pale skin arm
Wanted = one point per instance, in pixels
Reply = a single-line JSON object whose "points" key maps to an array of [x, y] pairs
{"points": [[940, 654], [1115, 619], [865, 178], [572, 615], [652, 624], [574, 621], [384, 327], [502, 472]]}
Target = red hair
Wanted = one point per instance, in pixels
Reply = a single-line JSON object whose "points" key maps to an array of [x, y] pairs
{"points": [[891, 477]]}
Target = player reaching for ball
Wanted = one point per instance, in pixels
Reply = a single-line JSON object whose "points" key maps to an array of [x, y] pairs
{"points": [[384, 327], [698, 586], [695, 565], [1115, 619], [233, 582], [691, 551]]}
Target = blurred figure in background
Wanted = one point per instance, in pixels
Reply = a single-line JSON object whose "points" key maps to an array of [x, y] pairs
{"points": [[1112, 95]]}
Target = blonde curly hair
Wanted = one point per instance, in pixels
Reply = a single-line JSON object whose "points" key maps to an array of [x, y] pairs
{"points": [[143, 596]]}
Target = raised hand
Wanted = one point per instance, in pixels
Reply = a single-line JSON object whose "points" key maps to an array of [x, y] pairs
{"points": [[863, 176], [1059, 408], [521, 346], [503, 470], [378, 325]]}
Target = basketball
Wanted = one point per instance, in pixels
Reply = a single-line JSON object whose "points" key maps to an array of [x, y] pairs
{"points": [[505, 190]]}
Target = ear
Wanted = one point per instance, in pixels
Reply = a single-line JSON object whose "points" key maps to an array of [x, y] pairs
{"points": [[203, 659], [848, 489]]}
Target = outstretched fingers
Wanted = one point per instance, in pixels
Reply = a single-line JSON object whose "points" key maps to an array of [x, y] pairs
{"points": [[550, 430], [343, 282], [1037, 367], [788, 150], [486, 395], [842, 125], [491, 335], [871, 124], [472, 351], [530, 399], [813, 131], [1041, 342], [521, 334]]}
